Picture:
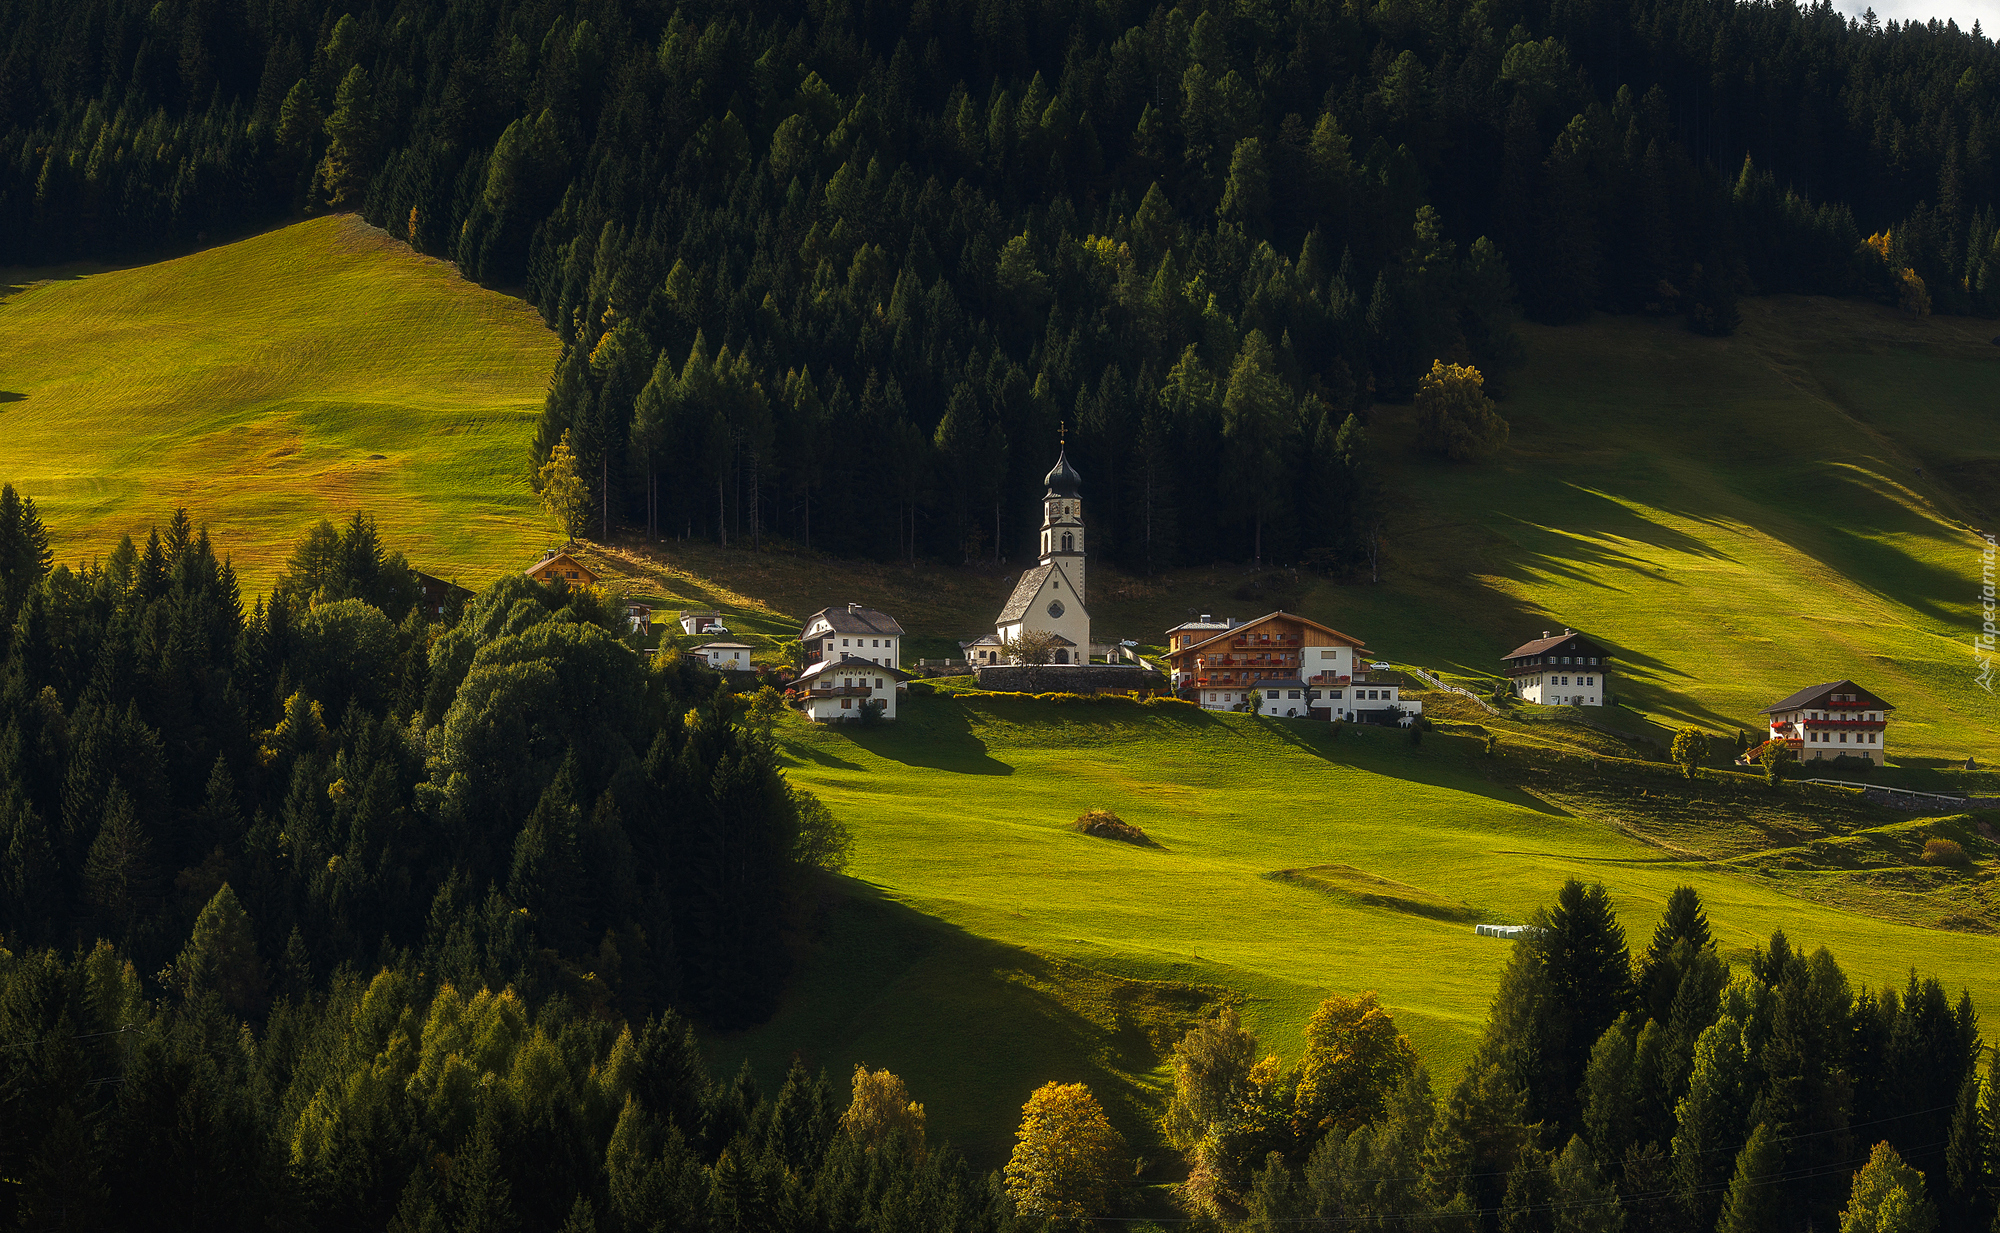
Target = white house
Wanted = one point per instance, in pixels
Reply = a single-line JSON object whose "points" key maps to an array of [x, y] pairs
{"points": [[1366, 700], [837, 688], [1836, 720], [1050, 597], [728, 655], [1565, 669], [853, 630], [640, 617], [701, 621]]}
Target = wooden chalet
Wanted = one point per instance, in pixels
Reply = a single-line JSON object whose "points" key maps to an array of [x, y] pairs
{"points": [[1220, 667], [561, 566]]}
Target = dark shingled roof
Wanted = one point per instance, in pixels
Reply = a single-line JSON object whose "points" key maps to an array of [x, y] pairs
{"points": [[1024, 594], [856, 619], [1542, 644], [1811, 695]]}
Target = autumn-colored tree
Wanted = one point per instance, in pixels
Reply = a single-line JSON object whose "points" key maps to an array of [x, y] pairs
{"points": [[1888, 1197], [881, 1106], [1455, 418], [1355, 1058], [1211, 1069], [565, 496], [1068, 1159]]}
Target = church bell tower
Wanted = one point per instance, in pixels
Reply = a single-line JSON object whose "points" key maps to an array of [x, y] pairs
{"points": [[1062, 523]]}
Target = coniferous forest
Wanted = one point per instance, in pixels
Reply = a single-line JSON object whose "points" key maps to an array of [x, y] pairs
{"points": [[837, 272]]}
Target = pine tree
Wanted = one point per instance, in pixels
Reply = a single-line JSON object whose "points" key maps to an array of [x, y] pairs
{"points": [[221, 957], [1755, 1201], [121, 874], [354, 141]]}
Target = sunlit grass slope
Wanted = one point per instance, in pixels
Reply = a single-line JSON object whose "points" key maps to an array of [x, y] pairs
{"points": [[961, 814], [311, 371]]}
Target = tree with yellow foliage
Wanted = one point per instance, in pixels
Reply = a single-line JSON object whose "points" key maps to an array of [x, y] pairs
{"points": [[1355, 1058], [1454, 416], [565, 496], [881, 1106], [1068, 1159]]}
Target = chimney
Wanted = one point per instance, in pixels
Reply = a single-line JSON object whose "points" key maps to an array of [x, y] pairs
{"points": [[1568, 632], [1545, 633], [854, 607]]}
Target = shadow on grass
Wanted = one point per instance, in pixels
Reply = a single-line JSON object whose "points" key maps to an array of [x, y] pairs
{"points": [[810, 753], [11, 396], [931, 733], [972, 1025], [1438, 763]]}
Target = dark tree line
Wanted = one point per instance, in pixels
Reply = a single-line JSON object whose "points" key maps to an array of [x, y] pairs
{"points": [[837, 272], [511, 798]]}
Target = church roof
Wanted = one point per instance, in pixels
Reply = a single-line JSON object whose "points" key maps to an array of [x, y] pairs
{"points": [[1030, 586], [1024, 593], [1062, 479]]}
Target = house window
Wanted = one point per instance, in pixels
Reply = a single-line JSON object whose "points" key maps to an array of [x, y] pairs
{"points": [[878, 682], [1292, 693], [1843, 738], [843, 642], [847, 704]]}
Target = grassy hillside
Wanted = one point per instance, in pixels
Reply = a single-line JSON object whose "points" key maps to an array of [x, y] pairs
{"points": [[300, 374], [1740, 517], [1291, 862]]}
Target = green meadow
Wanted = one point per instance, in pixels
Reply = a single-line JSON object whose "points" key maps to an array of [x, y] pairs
{"points": [[305, 373], [1292, 862], [1738, 517]]}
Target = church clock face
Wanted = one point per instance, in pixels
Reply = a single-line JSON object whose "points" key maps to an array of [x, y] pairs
{"points": [[1055, 608]]}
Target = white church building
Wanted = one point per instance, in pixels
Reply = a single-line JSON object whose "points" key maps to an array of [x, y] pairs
{"points": [[1051, 597]]}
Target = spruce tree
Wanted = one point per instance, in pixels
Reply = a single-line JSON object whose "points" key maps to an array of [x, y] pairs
{"points": [[1754, 1202]]}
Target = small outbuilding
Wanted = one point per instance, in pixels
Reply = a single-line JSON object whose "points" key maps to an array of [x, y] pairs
{"points": [[639, 616], [698, 621], [732, 656]]}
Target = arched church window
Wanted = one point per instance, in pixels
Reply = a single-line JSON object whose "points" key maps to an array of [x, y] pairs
{"points": [[1069, 542]]}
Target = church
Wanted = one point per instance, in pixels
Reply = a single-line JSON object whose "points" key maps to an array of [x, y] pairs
{"points": [[1051, 597]]}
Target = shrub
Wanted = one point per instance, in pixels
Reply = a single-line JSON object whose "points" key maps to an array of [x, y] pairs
{"points": [[1166, 700], [1492, 746], [1104, 824], [1940, 851], [1455, 418], [869, 713]]}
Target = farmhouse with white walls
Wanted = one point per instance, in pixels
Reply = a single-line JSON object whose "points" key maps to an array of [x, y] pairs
{"points": [[1565, 669]]}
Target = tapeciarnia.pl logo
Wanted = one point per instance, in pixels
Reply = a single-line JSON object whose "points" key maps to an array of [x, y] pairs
{"points": [[1983, 641]]}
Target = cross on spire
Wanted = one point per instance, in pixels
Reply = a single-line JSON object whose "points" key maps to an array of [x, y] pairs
{"points": [[1062, 433]]}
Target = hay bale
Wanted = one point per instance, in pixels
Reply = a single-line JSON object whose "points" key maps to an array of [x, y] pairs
{"points": [[1104, 824]]}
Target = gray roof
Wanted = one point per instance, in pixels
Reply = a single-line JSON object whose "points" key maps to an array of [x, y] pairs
{"points": [[1543, 644], [849, 663], [1027, 587], [725, 646], [856, 619], [1024, 594]]}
